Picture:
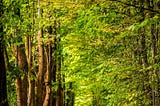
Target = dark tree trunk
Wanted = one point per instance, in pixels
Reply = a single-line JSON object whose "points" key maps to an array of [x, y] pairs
{"points": [[54, 61], [59, 95], [3, 91], [155, 77], [144, 56], [3, 88], [70, 95], [60, 90]]}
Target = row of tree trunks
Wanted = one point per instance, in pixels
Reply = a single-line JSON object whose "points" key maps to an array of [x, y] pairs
{"points": [[31, 92], [48, 64]]}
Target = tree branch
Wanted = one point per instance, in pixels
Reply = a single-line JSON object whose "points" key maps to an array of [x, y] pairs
{"points": [[128, 4]]}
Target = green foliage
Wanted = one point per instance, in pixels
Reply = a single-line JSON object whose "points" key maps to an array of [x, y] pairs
{"points": [[100, 43], [98, 55]]}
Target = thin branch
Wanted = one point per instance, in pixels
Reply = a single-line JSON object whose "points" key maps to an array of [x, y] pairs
{"points": [[128, 4]]}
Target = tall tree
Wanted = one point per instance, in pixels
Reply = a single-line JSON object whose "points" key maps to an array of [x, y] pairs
{"points": [[41, 69], [21, 61]]}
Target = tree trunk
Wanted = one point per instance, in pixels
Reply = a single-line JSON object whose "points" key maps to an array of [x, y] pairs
{"points": [[3, 88], [155, 77], [59, 95], [54, 67], [144, 57], [70, 95], [47, 100], [31, 81], [21, 81], [40, 79], [54, 62], [21, 59], [60, 91]]}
